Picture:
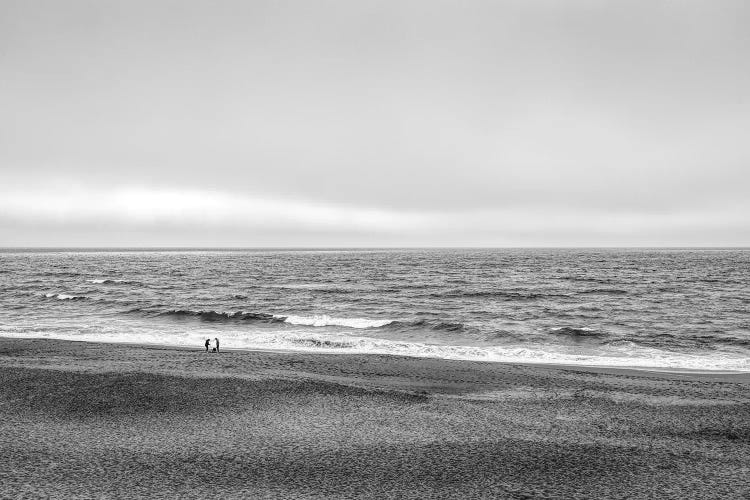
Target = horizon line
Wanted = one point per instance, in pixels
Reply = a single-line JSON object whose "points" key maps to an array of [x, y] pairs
{"points": [[334, 248]]}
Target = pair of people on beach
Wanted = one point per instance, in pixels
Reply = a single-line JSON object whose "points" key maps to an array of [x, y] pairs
{"points": [[215, 346]]}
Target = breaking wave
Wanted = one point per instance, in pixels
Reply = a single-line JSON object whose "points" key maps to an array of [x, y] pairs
{"points": [[331, 321], [213, 316], [321, 320], [575, 332], [243, 316], [64, 296]]}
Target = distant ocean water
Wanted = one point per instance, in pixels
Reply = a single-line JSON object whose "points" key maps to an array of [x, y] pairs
{"points": [[670, 309]]}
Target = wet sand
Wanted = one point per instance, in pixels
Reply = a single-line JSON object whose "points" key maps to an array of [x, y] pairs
{"points": [[106, 420]]}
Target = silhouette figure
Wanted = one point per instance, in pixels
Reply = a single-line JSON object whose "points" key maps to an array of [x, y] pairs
{"points": [[208, 343], [217, 344]]}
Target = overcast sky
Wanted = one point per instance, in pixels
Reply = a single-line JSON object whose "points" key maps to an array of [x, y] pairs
{"points": [[374, 123]]}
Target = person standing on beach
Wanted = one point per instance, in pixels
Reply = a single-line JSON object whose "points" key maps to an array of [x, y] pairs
{"points": [[217, 344], [208, 343]]}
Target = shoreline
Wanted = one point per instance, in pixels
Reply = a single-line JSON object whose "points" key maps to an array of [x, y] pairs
{"points": [[688, 372]]}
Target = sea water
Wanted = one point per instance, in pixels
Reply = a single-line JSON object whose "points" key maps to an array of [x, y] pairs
{"points": [[683, 309]]}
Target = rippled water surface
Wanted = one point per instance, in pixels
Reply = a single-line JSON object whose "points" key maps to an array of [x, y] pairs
{"points": [[654, 308]]}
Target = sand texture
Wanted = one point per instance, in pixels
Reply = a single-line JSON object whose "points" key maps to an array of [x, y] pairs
{"points": [[85, 420]]}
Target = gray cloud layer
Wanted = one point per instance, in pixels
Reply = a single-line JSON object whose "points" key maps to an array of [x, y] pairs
{"points": [[449, 123]]}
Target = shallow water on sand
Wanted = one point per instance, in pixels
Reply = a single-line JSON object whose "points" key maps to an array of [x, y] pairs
{"points": [[676, 309]]}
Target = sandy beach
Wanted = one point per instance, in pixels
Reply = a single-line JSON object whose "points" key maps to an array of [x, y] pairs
{"points": [[91, 420]]}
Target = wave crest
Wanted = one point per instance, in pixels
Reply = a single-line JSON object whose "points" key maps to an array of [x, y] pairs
{"points": [[604, 291], [504, 295], [324, 320], [428, 324], [211, 316], [64, 296], [221, 316], [576, 332]]}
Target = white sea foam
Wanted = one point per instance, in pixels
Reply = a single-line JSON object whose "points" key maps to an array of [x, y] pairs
{"points": [[101, 280], [63, 296], [633, 358], [330, 321], [629, 356]]}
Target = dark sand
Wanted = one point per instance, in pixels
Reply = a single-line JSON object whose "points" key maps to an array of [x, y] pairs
{"points": [[105, 420]]}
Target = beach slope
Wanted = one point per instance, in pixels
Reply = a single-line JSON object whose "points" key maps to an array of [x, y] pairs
{"points": [[106, 420]]}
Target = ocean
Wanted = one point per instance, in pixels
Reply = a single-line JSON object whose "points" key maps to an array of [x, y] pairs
{"points": [[670, 309]]}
